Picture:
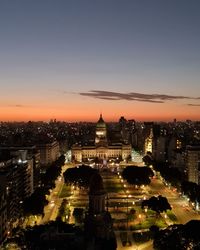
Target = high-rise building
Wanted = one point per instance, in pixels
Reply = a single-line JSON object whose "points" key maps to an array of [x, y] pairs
{"points": [[3, 210], [27, 154], [193, 163], [17, 174], [49, 152]]}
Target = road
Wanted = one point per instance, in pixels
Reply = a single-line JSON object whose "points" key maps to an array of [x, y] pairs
{"points": [[51, 209], [180, 207]]}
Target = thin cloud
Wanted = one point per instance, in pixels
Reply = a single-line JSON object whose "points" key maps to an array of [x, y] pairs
{"points": [[132, 96], [193, 105], [19, 106], [16, 106]]}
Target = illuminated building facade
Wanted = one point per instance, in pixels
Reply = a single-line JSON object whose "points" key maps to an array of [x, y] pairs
{"points": [[149, 142], [3, 210], [49, 152], [193, 163], [101, 149]]}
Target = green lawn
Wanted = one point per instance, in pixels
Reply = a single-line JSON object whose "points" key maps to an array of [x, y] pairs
{"points": [[113, 187], [66, 191], [151, 212], [148, 222], [171, 216], [161, 223]]}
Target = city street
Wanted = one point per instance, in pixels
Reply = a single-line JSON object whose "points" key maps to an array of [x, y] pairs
{"points": [[121, 197], [51, 210], [183, 211]]}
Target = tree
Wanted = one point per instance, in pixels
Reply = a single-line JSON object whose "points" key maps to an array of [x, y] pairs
{"points": [[154, 230], [148, 159], [137, 175], [34, 204], [79, 176], [52, 173], [64, 211], [78, 214], [179, 237], [158, 204], [131, 214], [47, 236], [191, 189], [170, 174]]}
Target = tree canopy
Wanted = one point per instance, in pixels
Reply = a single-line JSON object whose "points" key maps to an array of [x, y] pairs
{"points": [[137, 175], [79, 175], [192, 190], [34, 204], [170, 174], [179, 237], [148, 159], [158, 204]]}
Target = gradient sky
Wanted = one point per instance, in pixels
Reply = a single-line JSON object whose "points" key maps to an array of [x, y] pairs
{"points": [[71, 59]]}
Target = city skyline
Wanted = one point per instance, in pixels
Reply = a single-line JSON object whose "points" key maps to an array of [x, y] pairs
{"points": [[73, 60]]}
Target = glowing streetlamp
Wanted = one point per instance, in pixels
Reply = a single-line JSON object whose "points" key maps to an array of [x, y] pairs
{"points": [[140, 216]]}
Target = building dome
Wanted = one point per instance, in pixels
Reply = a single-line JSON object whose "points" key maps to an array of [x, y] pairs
{"points": [[96, 185], [101, 123]]}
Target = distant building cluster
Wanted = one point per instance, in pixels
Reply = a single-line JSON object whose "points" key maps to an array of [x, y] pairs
{"points": [[177, 144], [28, 149]]}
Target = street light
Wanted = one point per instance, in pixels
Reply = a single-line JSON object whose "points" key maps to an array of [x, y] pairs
{"points": [[140, 216]]}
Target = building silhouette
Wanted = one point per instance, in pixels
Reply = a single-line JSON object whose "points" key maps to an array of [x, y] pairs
{"points": [[98, 222]]}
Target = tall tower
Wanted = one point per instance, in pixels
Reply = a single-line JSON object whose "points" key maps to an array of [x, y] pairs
{"points": [[101, 132], [98, 222], [96, 195]]}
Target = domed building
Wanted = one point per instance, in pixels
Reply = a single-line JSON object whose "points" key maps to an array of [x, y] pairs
{"points": [[102, 149], [101, 133]]}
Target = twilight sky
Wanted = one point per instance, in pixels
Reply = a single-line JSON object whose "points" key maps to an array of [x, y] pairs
{"points": [[71, 60]]}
